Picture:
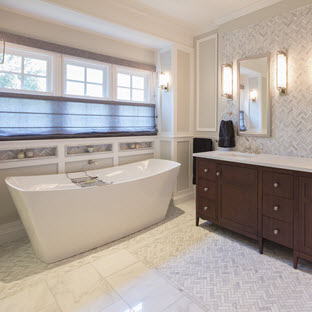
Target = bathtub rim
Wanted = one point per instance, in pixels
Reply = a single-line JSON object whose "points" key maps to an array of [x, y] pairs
{"points": [[76, 187]]}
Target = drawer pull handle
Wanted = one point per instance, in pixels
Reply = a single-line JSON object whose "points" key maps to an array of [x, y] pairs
{"points": [[276, 231], [206, 189], [276, 208], [218, 173], [276, 185], [206, 170], [206, 208]]}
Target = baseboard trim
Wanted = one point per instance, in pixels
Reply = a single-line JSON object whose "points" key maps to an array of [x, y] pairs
{"points": [[11, 231], [184, 196]]}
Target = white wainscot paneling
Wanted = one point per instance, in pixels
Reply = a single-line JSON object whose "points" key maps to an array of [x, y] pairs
{"points": [[206, 83], [83, 165], [183, 157], [134, 158], [106, 153], [184, 87], [165, 149], [180, 149]]}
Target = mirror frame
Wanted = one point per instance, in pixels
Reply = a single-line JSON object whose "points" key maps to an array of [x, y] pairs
{"points": [[269, 98]]}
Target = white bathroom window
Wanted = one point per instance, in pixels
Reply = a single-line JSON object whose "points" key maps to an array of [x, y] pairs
{"points": [[26, 71], [85, 79], [132, 86], [56, 77]]}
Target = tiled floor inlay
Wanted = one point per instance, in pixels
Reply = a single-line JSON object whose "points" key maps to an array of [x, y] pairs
{"points": [[172, 267]]}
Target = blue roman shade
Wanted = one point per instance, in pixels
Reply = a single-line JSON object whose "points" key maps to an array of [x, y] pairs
{"points": [[32, 117]]}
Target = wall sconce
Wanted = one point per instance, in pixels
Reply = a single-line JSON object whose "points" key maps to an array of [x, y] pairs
{"points": [[281, 72], [2, 52], [253, 96], [227, 80], [163, 81]]}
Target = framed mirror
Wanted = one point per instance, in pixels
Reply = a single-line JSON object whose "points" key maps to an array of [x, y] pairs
{"points": [[254, 96]]}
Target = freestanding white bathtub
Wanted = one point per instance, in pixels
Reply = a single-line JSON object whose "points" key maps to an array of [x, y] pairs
{"points": [[63, 219]]}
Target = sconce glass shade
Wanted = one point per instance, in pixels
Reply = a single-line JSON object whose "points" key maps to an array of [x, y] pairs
{"points": [[227, 80], [163, 81], [281, 72], [253, 95]]}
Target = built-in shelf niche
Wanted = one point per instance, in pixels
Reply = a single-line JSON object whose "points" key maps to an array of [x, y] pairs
{"points": [[28, 153], [75, 150], [127, 146]]}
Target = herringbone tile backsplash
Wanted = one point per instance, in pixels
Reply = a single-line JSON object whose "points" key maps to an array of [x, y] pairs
{"points": [[291, 114]]}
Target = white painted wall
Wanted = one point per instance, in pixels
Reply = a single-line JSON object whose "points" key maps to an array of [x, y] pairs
{"points": [[166, 98], [35, 28], [245, 21], [184, 82], [206, 84], [38, 29], [176, 130], [9, 217], [177, 114]]}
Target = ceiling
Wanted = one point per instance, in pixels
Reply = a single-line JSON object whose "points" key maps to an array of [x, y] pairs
{"points": [[151, 23], [200, 15]]}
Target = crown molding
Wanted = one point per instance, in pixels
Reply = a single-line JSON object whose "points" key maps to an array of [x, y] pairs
{"points": [[217, 23]]}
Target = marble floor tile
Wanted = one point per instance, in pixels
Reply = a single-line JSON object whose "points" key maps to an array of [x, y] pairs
{"points": [[119, 306], [161, 267], [184, 305], [113, 263], [143, 289], [51, 308], [33, 299], [82, 290]]}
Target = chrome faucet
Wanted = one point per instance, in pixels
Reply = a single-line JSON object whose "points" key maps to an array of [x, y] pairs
{"points": [[248, 149], [259, 148], [92, 162]]}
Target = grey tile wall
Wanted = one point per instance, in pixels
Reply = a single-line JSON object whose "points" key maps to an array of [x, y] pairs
{"points": [[291, 114]]}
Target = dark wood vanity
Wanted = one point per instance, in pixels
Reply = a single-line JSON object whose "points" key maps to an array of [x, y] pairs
{"points": [[256, 201]]}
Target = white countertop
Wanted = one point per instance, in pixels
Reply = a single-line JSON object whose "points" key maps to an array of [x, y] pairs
{"points": [[266, 160]]}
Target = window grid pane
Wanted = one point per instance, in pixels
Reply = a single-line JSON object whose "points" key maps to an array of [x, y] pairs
{"points": [[123, 80], [123, 93], [138, 95], [74, 72], [95, 75], [135, 84], [95, 81], [138, 82], [34, 66], [24, 73], [75, 88], [12, 64], [10, 81], [34, 83], [95, 90]]}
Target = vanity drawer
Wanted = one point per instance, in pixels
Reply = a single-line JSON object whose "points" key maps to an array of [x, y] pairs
{"points": [[206, 169], [207, 189], [278, 231], [278, 208], [278, 184], [207, 209]]}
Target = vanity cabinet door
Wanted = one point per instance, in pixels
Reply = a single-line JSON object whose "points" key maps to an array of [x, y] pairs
{"points": [[238, 198], [305, 215]]}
